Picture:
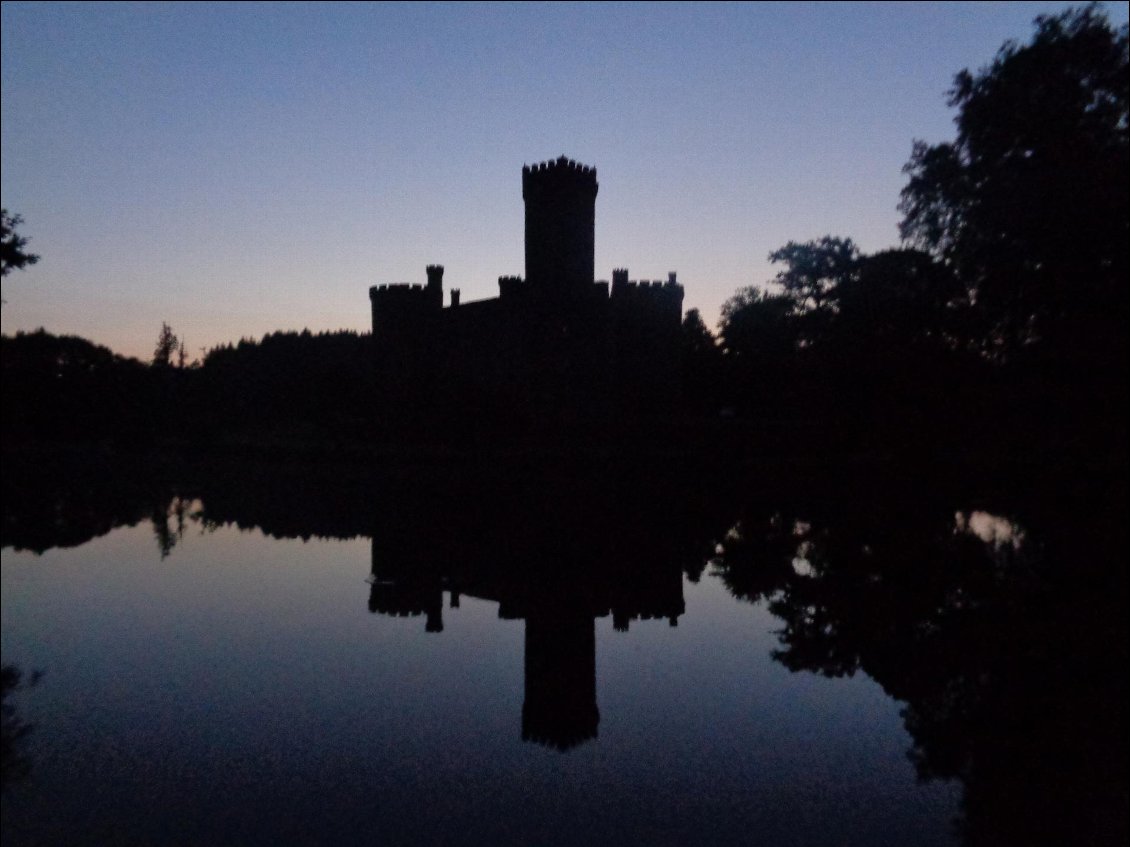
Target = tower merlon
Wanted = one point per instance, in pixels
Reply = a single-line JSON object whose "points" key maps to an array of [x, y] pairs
{"points": [[557, 176]]}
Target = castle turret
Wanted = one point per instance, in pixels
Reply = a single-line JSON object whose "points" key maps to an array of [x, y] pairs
{"points": [[619, 281], [435, 284], [560, 199], [395, 306]]}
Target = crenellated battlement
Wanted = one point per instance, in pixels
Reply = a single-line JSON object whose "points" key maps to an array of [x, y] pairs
{"points": [[668, 291], [396, 290], [511, 285], [408, 599], [560, 175], [400, 301], [649, 285], [407, 290]]}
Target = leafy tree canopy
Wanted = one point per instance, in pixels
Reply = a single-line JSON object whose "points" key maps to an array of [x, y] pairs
{"points": [[167, 345], [1029, 202], [697, 339], [814, 269], [902, 298], [756, 323]]}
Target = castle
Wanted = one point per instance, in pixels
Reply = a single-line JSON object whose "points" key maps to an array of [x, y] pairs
{"points": [[554, 347]]}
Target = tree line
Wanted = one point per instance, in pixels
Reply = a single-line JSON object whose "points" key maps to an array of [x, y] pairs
{"points": [[1001, 320], [292, 386], [1005, 311]]}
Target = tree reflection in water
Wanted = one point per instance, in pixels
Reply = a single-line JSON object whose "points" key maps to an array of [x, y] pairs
{"points": [[1004, 636], [994, 609], [15, 764]]}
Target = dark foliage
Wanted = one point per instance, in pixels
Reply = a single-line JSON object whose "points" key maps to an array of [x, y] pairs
{"points": [[15, 764], [1029, 203], [290, 388], [812, 278], [702, 366], [875, 343], [1006, 325], [167, 345], [69, 389], [13, 256], [1003, 632]]}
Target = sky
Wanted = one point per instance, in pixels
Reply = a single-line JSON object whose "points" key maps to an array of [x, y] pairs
{"points": [[239, 169]]}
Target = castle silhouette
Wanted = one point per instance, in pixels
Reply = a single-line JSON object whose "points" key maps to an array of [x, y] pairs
{"points": [[556, 346]]}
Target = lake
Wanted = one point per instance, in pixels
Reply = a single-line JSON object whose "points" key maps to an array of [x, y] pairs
{"points": [[564, 652]]}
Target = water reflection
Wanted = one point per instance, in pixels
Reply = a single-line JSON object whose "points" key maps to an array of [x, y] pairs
{"points": [[1006, 643], [993, 609], [559, 609], [15, 763], [555, 550]]}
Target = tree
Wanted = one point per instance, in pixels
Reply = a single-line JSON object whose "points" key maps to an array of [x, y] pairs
{"points": [[814, 270], [701, 364], [899, 299], [167, 345], [1029, 203], [813, 275], [697, 339], [756, 324], [12, 253], [850, 336]]}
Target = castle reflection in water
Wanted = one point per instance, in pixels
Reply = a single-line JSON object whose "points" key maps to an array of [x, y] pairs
{"points": [[560, 708], [555, 549], [991, 606]]}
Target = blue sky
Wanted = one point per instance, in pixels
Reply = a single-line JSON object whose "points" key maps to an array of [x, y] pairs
{"points": [[238, 169]]}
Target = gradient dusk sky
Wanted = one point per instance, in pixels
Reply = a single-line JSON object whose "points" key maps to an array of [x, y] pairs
{"points": [[239, 169]]}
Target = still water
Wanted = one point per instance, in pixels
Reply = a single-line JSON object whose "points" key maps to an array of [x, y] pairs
{"points": [[302, 662]]}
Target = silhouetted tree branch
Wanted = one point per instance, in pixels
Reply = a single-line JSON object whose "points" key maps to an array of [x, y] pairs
{"points": [[12, 253], [167, 345], [1029, 203]]}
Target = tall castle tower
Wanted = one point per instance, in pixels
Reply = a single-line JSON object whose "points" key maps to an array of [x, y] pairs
{"points": [[560, 199]]}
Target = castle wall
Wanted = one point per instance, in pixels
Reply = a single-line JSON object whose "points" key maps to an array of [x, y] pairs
{"points": [[646, 318], [525, 361], [553, 348]]}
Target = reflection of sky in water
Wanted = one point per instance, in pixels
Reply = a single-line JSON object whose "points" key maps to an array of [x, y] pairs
{"points": [[992, 529], [240, 686], [996, 531]]}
